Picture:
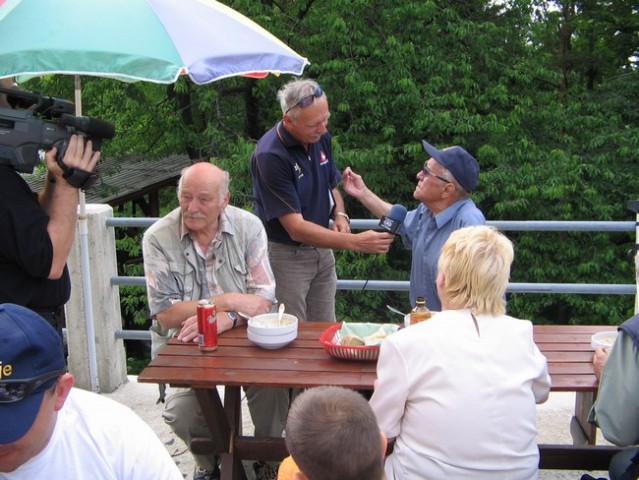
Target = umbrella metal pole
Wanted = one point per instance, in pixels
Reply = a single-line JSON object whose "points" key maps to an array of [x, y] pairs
{"points": [[86, 268]]}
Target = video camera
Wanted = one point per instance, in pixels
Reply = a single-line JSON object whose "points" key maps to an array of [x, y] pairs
{"points": [[39, 122]]}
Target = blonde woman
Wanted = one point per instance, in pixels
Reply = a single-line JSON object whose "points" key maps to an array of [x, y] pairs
{"points": [[458, 392]]}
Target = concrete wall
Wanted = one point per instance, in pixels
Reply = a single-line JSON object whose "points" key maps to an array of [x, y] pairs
{"points": [[109, 370]]}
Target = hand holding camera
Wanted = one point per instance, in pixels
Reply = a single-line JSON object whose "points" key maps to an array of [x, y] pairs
{"points": [[78, 165]]}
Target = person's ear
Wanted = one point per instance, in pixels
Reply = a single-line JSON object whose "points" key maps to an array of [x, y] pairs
{"points": [[226, 200], [384, 442], [440, 283], [449, 189], [62, 389]]}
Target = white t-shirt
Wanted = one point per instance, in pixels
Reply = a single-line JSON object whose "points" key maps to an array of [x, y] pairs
{"points": [[461, 402], [96, 438]]}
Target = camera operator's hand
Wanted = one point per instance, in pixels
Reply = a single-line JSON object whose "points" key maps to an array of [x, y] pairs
{"points": [[59, 198], [79, 155]]}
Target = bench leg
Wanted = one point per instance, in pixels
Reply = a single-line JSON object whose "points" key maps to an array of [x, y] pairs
{"points": [[233, 409], [582, 432], [213, 412]]}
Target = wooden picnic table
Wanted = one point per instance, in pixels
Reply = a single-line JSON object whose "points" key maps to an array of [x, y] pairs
{"points": [[569, 354], [304, 363]]}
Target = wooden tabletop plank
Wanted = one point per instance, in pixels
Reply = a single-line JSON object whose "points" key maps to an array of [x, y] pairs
{"points": [[572, 329], [570, 368], [305, 363], [192, 377], [568, 357], [573, 383], [265, 363]]}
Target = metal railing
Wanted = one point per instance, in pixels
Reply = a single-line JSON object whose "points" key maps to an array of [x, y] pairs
{"points": [[398, 285]]}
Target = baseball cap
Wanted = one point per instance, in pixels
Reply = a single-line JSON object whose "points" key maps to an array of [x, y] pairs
{"points": [[29, 348], [457, 161]]}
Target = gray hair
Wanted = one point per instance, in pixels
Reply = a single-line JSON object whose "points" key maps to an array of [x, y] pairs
{"points": [[294, 91], [462, 194]]}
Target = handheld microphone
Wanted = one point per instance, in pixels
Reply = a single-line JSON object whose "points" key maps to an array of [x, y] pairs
{"points": [[394, 219]]}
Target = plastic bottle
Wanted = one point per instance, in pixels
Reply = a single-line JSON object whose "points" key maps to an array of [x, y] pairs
{"points": [[420, 312]]}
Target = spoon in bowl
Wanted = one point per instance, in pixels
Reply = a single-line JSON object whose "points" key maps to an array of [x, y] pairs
{"points": [[280, 313], [394, 310]]}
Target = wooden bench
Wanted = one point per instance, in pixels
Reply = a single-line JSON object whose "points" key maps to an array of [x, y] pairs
{"points": [[584, 458], [576, 457], [551, 456]]}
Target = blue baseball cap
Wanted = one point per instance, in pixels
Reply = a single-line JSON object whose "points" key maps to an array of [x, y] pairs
{"points": [[457, 161], [29, 348]]}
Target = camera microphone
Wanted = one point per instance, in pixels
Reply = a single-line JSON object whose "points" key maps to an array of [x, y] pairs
{"points": [[394, 219], [37, 122], [91, 126]]}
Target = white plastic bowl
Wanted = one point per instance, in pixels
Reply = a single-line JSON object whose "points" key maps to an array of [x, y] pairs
{"points": [[603, 340], [265, 332]]}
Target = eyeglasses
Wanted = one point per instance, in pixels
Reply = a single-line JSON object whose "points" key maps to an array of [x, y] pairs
{"points": [[15, 390], [308, 100], [428, 173]]}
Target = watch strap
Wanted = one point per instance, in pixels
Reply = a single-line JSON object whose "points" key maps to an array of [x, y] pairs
{"points": [[233, 316]]}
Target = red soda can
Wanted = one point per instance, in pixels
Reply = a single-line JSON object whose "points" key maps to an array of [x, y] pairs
{"points": [[206, 326]]}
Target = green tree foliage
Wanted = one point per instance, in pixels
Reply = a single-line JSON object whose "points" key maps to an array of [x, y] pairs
{"points": [[543, 93]]}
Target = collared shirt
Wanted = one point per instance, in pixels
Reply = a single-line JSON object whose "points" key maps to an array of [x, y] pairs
{"points": [[289, 179], [460, 399], [425, 234], [237, 260]]}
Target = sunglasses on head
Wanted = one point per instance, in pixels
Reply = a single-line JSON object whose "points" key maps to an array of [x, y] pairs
{"points": [[307, 100], [16, 390]]}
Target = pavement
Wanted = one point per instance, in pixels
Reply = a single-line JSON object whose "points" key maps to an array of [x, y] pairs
{"points": [[553, 424]]}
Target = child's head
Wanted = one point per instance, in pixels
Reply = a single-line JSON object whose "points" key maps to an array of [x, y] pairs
{"points": [[331, 432]]}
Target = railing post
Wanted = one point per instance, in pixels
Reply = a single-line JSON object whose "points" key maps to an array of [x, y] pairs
{"points": [[633, 205], [110, 353]]}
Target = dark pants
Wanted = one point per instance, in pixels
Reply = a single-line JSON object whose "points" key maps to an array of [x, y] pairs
{"points": [[305, 280], [621, 462], [54, 316]]}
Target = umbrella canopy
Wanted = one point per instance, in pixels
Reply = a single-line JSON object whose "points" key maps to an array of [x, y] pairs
{"points": [[151, 40]]}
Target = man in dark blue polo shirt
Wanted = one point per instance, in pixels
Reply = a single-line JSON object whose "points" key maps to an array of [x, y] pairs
{"points": [[295, 191]]}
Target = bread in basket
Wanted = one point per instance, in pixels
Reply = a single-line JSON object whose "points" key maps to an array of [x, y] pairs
{"points": [[331, 339]]}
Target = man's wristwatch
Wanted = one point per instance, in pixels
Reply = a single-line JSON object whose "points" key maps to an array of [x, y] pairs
{"points": [[233, 316]]}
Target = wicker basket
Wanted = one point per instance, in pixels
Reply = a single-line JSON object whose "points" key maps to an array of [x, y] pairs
{"points": [[329, 339]]}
